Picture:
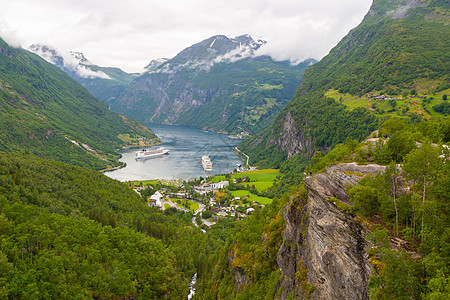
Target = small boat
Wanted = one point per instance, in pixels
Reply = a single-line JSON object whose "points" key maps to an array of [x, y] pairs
{"points": [[144, 154], [206, 163]]}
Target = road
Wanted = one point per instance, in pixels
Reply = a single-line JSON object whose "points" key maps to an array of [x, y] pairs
{"points": [[246, 164], [201, 207]]}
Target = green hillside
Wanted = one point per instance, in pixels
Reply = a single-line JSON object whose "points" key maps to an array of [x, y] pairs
{"points": [[397, 52], [53, 250], [400, 51], [105, 89], [250, 94], [45, 112], [417, 215], [71, 232]]}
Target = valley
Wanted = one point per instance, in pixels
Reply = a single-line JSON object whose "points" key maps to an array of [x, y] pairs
{"points": [[330, 178], [213, 199], [220, 76]]}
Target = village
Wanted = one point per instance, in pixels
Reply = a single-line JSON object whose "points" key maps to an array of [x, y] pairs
{"points": [[229, 196]]}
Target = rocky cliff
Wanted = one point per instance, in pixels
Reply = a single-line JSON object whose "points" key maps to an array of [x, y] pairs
{"points": [[324, 250], [293, 139]]}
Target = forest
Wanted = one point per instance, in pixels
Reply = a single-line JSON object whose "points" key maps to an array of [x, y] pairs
{"points": [[67, 230]]}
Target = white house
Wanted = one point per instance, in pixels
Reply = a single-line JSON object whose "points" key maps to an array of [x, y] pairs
{"points": [[204, 188], [220, 185], [156, 200]]}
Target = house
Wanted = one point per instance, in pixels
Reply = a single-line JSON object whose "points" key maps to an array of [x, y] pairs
{"points": [[249, 210], [204, 188], [220, 185], [155, 200]]}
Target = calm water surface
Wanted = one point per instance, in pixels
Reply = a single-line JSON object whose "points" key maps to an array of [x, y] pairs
{"points": [[187, 146]]}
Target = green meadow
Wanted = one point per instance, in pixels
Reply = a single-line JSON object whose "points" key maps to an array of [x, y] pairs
{"points": [[251, 197], [261, 179]]}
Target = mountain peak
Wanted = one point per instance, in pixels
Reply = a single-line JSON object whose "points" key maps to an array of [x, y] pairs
{"points": [[396, 9], [80, 57], [71, 62], [154, 64], [203, 55]]}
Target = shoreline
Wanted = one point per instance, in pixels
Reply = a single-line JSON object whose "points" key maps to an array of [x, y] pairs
{"points": [[113, 168], [137, 147]]}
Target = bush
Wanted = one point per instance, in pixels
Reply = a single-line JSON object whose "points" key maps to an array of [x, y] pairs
{"points": [[207, 214]]}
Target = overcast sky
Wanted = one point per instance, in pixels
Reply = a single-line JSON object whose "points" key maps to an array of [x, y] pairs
{"points": [[130, 33]]}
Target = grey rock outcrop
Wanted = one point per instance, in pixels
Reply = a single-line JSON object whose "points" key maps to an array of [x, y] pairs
{"points": [[329, 243], [292, 139]]}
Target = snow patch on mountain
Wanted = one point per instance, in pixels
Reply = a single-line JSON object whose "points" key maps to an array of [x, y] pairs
{"points": [[155, 64], [73, 61], [212, 44], [203, 56]]}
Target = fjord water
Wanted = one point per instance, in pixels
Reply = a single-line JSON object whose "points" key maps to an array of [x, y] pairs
{"points": [[187, 146]]}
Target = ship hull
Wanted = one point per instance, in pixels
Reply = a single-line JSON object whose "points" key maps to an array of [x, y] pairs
{"points": [[151, 154]]}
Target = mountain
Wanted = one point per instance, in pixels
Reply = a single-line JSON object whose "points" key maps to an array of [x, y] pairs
{"points": [[105, 83], [395, 63], [219, 84], [353, 228], [45, 112]]}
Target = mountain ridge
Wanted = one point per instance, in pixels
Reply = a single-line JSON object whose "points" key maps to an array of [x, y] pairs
{"points": [[397, 57], [219, 84], [105, 83], [48, 114], [220, 71]]}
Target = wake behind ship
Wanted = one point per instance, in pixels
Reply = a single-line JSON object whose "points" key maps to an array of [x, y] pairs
{"points": [[144, 154]]}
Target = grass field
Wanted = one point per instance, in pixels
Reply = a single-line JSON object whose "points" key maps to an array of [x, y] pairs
{"points": [[261, 179], [404, 106], [193, 205], [261, 200], [166, 206]]}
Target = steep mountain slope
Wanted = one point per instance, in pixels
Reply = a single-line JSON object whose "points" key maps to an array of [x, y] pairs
{"points": [[46, 113], [370, 221], [217, 84], [81, 235], [102, 82], [399, 50], [302, 247]]}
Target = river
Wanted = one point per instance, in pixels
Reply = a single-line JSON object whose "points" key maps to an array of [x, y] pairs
{"points": [[187, 146]]}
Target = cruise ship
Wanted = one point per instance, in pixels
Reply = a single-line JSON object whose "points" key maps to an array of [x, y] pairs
{"points": [[144, 154], [206, 163]]}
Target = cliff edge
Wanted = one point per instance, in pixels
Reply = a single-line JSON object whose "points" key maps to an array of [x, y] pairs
{"points": [[324, 250]]}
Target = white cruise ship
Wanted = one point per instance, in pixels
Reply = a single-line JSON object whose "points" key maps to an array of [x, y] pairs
{"points": [[143, 154], [206, 163]]}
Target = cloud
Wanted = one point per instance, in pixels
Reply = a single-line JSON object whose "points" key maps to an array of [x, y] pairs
{"points": [[72, 63], [70, 60], [129, 34]]}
